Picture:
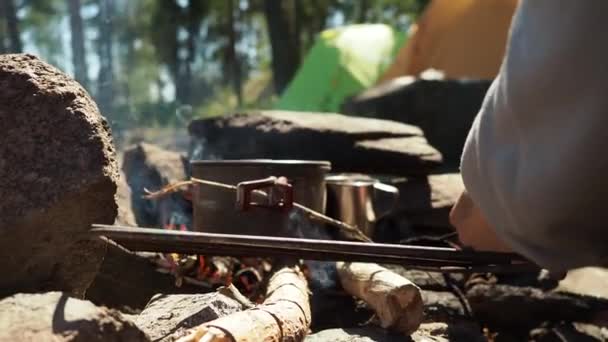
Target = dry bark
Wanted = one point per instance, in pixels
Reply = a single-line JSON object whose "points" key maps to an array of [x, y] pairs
{"points": [[284, 315], [395, 299]]}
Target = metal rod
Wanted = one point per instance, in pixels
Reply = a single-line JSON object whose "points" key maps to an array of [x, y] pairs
{"points": [[322, 256], [160, 240]]}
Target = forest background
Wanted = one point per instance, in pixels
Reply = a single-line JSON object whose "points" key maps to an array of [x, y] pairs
{"points": [[159, 63]]}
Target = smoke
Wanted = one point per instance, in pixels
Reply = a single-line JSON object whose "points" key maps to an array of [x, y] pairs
{"points": [[323, 274], [199, 150], [300, 226]]}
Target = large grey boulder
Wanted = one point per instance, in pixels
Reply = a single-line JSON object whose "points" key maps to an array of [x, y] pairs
{"points": [[444, 109], [351, 144], [58, 175], [54, 316]]}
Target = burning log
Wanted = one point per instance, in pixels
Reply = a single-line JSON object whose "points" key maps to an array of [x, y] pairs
{"points": [[396, 300], [284, 315]]}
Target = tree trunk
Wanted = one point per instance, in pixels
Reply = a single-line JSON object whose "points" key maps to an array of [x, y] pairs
{"points": [[232, 57], [362, 11], [284, 44], [298, 16], [3, 46], [105, 81], [78, 50], [12, 25], [192, 27]]}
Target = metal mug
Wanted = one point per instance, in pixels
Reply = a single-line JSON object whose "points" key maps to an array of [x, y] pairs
{"points": [[359, 200]]}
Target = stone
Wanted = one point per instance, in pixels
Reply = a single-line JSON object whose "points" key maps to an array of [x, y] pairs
{"points": [[428, 332], [351, 144], [427, 202], [461, 331], [127, 281], [523, 308], [442, 306], [58, 175], [327, 293], [443, 109], [423, 210], [167, 316], [367, 334], [124, 200], [150, 167], [566, 331], [54, 316], [323, 306]]}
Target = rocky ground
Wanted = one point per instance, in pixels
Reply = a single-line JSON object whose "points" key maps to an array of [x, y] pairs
{"points": [[59, 174]]}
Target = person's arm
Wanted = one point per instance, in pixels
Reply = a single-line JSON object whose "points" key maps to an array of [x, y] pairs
{"points": [[535, 163]]}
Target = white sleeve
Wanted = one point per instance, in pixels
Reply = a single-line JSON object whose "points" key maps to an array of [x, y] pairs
{"points": [[536, 158]]}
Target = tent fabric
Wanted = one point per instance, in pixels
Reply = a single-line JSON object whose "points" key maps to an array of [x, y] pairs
{"points": [[461, 38], [343, 61]]}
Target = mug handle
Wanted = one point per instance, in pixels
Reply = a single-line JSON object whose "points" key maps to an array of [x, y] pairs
{"points": [[386, 198]]}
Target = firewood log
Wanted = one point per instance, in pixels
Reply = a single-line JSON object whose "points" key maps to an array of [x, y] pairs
{"points": [[396, 300], [284, 315]]}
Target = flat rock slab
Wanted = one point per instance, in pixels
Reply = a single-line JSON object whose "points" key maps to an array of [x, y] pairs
{"points": [[167, 316], [58, 175], [351, 144], [150, 167], [54, 316], [444, 109]]}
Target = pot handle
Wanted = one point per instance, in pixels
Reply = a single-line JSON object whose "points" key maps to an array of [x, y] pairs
{"points": [[386, 198], [280, 194]]}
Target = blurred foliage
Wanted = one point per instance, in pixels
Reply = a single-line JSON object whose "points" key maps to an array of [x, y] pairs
{"points": [[161, 62]]}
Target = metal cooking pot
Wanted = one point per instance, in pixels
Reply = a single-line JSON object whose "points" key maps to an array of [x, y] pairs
{"points": [[359, 200], [215, 210]]}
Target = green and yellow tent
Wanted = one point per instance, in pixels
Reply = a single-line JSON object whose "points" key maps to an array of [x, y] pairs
{"points": [[343, 61]]}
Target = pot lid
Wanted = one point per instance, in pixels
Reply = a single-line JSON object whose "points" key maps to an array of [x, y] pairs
{"points": [[260, 162]]}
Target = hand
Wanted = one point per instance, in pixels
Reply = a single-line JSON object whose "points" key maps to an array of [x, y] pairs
{"points": [[473, 229]]}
